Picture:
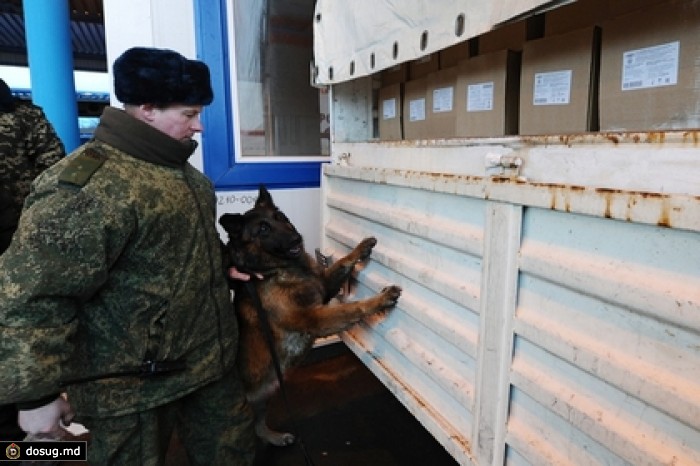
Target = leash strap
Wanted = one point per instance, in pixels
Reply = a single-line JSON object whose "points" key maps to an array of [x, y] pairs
{"points": [[267, 330], [146, 369]]}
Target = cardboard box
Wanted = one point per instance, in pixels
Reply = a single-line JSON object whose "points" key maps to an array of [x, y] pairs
{"points": [[451, 56], [577, 15], [422, 67], [414, 109], [623, 7], [650, 78], [440, 103], [390, 111], [395, 74], [558, 83], [486, 102], [509, 36]]}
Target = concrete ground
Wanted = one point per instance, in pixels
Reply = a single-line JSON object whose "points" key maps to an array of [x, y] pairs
{"points": [[345, 417]]}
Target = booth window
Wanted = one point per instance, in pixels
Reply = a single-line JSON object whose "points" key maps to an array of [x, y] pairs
{"points": [[267, 124], [278, 111]]}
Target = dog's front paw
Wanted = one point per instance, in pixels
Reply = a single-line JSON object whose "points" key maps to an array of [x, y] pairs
{"points": [[365, 247], [390, 295]]}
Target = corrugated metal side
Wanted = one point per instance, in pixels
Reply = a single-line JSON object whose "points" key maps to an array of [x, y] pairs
{"points": [[606, 361], [426, 349], [551, 314]]}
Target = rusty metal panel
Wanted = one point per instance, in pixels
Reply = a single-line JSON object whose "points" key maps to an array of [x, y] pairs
{"points": [[426, 349], [551, 305]]}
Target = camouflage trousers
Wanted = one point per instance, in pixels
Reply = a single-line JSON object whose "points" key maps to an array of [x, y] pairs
{"points": [[214, 425]]}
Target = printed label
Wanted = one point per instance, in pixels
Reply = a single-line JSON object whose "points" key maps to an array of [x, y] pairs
{"points": [[553, 88], [389, 109], [416, 110], [442, 99], [480, 97], [650, 67]]}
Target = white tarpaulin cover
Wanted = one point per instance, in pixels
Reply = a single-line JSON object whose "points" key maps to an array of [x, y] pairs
{"points": [[356, 38]]}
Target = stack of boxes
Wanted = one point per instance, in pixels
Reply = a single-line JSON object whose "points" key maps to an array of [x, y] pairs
{"points": [[596, 65]]}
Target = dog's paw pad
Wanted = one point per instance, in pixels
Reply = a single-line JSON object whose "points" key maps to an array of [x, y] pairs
{"points": [[365, 247], [391, 295]]}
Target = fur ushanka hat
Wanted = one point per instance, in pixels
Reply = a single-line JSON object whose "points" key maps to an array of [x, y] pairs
{"points": [[160, 77]]}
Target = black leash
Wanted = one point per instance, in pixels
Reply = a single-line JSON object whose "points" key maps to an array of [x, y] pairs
{"points": [[267, 330], [146, 369]]}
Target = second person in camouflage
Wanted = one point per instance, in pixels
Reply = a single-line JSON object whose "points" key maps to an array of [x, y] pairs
{"points": [[28, 145]]}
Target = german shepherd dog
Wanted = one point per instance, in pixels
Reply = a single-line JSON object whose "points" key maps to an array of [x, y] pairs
{"points": [[297, 294]]}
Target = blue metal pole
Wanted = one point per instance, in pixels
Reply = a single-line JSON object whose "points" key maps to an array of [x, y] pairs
{"points": [[50, 55]]}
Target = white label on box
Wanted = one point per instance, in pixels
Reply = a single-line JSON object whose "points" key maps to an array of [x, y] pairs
{"points": [[416, 110], [650, 67], [480, 97], [553, 88], [442, 99], [389, 108]]}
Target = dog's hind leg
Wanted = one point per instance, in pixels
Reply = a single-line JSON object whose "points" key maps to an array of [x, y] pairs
{"points": [[280, 439]]}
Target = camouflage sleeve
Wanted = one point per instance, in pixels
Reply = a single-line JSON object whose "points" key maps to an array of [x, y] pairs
{"points": [[61, 254], [44, 143]]}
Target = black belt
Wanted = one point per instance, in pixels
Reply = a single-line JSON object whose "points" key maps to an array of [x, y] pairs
{"points": [[145, 370]]}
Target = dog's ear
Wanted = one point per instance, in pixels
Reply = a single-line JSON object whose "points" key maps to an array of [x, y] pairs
{"points": [[232, 223], [264, 200]]}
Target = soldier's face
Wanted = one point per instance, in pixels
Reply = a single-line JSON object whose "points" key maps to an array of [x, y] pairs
{"points": [[180, 122]]}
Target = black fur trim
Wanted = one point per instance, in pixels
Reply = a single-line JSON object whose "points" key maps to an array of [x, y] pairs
{"points": [[160, 77]]}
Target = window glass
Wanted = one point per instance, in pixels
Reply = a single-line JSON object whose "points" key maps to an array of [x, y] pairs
{"points": [[277, 111]]}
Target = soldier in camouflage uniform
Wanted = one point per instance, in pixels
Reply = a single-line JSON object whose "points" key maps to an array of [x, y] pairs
{"points": [[28, 145], [114, 285]]}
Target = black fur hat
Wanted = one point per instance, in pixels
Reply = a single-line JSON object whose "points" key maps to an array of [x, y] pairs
{"points": [[7, 100], [160, 77]]}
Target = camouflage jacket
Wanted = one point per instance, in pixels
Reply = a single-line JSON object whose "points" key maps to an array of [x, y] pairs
{"points": [[116, 261], [28, 145]]}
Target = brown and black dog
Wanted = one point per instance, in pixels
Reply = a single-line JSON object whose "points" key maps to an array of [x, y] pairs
{"points": [[295, 291]]}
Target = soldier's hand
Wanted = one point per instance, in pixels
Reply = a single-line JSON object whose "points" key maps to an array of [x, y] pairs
{"points": [[237, 275], [45, 421]]}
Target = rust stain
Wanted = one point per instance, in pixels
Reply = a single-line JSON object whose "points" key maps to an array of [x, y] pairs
{"points": [[549, 186], [693, 136], [664, 215], [647, 207], [561, 199], [607, 191], [656, 137], [614, 138]]}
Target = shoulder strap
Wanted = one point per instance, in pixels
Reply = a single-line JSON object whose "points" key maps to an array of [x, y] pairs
{"points": [[82, 166]]}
